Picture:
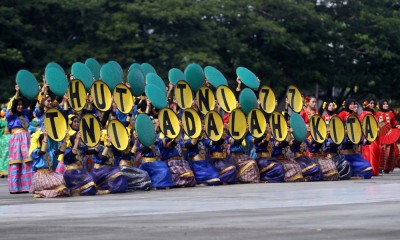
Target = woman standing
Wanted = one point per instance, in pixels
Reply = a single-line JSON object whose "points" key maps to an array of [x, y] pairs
{"points": [[20, 163], [372, 151], [4, 139], [389, 149]]}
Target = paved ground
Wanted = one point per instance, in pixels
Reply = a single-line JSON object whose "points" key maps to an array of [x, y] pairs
{"points": [[356, 209]]}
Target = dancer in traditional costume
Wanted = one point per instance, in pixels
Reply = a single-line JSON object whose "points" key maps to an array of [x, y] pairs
{"points": [[204, 172], [20, 162], [360, 167], [160, 175], [309, 109], [77, 179], [248, 171], [182, 174], [328, 167], [137, 179], [388, 138], [332, 152], [45, 102], [310, 168], [4, 140], [370, 152], [45, 182], [227, 171], [293, 172], [271, 171], [348, 109], [108, 178], [330, 108]]}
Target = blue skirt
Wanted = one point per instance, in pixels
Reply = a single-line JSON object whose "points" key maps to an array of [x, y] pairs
{"points": [[310, 169], [226, 170], [109, 179], [79, 182], [204, 173], [137, 179], [360, 167], [159, 173], [270, 170]]}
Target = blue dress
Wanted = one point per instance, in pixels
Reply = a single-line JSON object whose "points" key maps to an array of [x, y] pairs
{"points": [[77, 179], [227, 172], [108, 178], [204, 172], [361, 167], [270, 169]]}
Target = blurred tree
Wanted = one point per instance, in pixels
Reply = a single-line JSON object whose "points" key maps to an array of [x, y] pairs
{"points": [[351, 46]]}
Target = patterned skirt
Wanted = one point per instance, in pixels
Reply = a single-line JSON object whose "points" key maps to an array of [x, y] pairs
{"points": [[292, 169], [227, 172], [20, 177], [79, 181], [137, 179], [361, 168], [48, 184], [247, 169], [309, 168], [389, 155], [204, 173], [182, 175], [18, 147], [159, 173], [4, 139], [328, 167], [109, 179], [270, 170]]}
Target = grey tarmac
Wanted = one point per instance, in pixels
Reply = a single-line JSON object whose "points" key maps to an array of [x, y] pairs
{"points": [[353, 209]]}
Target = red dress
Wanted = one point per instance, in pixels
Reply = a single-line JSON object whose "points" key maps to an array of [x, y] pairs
{"points": [[327, 118], [306, 114], [371, 152], [344, 115], [389, 152]]}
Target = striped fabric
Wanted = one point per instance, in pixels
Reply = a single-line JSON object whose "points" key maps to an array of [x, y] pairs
{"points": [[19, 147], [388, 158], [20, 177], [137, 179], [182, 174], [293, 171], [328, 168], [248, 171], [47, 184]]}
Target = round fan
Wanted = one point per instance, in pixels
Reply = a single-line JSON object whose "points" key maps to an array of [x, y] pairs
{"points": [[388, 135]]}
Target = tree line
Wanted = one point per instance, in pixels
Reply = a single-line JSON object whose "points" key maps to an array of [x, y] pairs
{"points": [[345, 48]]}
